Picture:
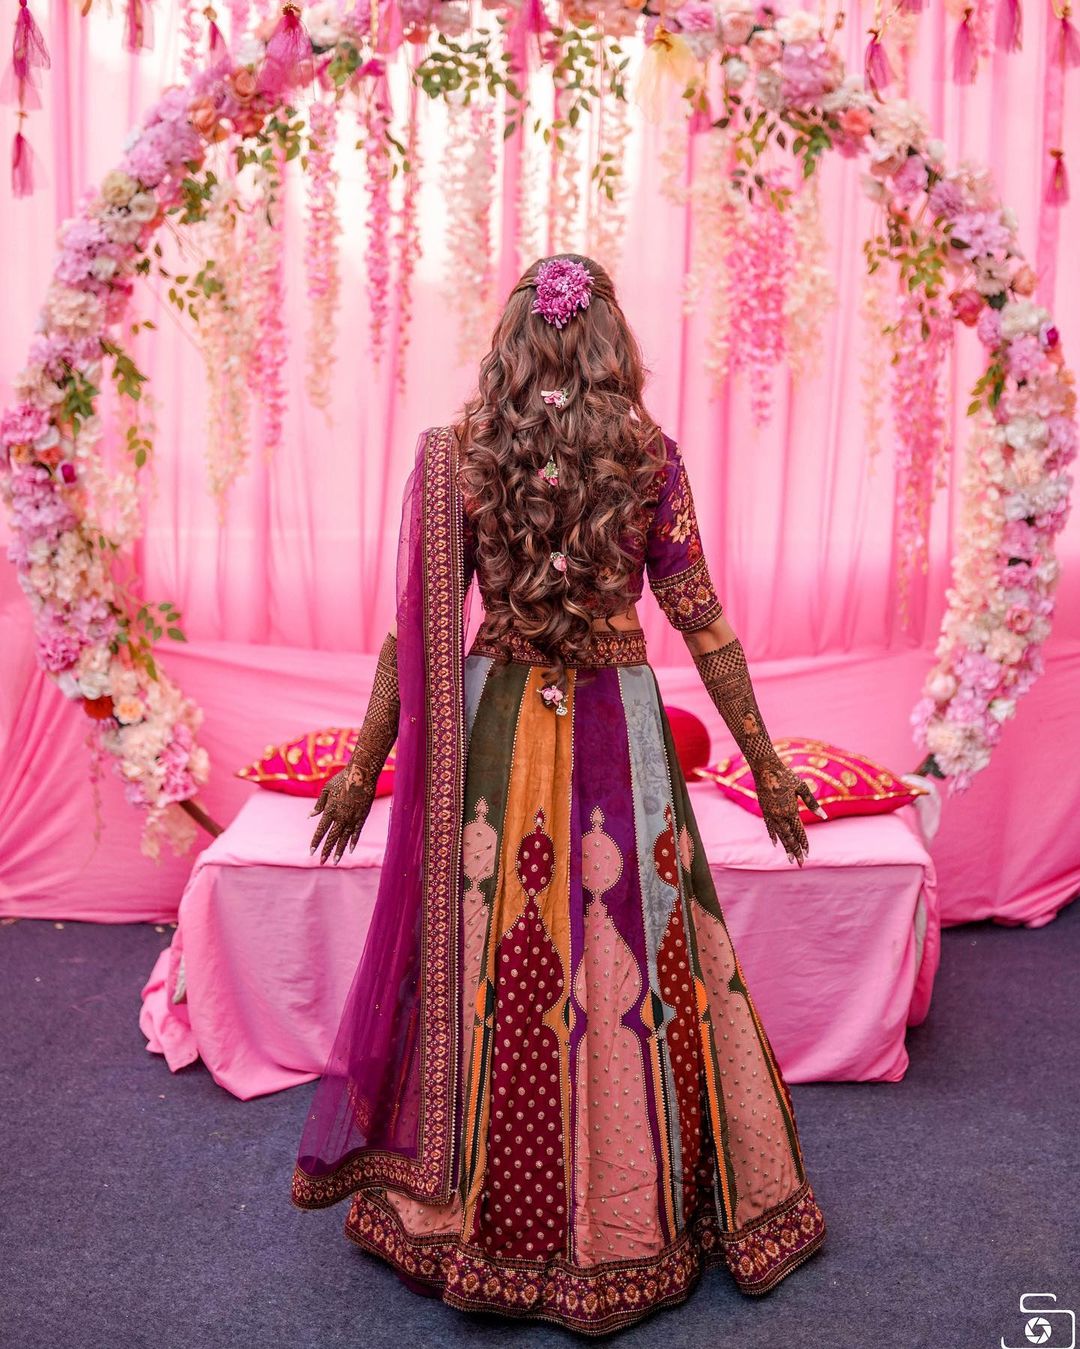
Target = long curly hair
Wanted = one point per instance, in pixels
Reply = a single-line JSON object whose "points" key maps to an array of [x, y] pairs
{"points": [[607, 450]]}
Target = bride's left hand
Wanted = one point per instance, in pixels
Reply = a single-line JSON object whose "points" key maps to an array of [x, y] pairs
{"points": [[779, 790]]}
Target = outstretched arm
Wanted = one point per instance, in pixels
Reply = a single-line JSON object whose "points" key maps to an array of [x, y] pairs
{"points": [[721, 663], [679, 575], [346, 799]]}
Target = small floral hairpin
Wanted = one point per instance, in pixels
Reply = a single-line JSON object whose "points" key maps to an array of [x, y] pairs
{"points": [[550, 473], [562, 288], [556, 397], [558, 561], [554, 698]]}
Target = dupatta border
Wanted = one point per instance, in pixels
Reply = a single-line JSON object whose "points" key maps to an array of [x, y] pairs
{"points": [[429, 1176]]}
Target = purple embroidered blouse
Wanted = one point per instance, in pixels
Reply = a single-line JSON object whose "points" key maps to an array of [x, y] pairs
{"points": [[674, 561]]}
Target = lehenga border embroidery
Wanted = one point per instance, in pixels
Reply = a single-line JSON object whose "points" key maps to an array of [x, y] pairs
{"points": [[599, 1298], [687, 597]]}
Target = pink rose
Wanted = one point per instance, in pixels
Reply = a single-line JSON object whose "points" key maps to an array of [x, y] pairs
{"points": [[764, 47], [856, 122], [1018, 618], [967, 305], [204, 116], [244, 84], [737, 28], [696, 16]]}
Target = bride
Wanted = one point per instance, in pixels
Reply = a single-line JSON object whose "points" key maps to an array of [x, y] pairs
{"points": [[551, 1094]]}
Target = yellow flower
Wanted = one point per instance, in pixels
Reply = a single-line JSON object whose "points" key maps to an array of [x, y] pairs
{"points": [[669, 63]]}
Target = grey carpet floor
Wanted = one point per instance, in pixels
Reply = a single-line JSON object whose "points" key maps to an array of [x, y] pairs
{"points": [[141, 1208]]}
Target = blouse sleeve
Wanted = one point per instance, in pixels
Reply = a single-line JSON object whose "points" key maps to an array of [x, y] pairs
{"points": [[674, 561]]}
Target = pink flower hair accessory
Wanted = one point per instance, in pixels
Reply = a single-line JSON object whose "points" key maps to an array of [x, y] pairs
{"points": [[556, 397], [554, 698], [562, 288]]}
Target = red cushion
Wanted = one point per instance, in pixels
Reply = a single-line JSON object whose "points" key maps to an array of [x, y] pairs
{"points": [[692, 743], [303, 766], [843, 782]]}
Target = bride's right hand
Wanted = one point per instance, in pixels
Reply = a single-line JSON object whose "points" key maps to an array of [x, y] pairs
{"points": [[344, 804]]}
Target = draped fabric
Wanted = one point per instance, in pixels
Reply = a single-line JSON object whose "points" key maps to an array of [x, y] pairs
{"points": [[384, 1110], [797, 527]]}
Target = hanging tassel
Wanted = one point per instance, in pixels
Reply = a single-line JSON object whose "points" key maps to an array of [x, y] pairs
{"points": [[1057, 189], [965, 57], [1010, 25], [219, 51], [877, 71], [532, 18], [22, 170], [138, 26], [391, 30], [1068, 44], [531, 22], [288, 59], [28, 46]]}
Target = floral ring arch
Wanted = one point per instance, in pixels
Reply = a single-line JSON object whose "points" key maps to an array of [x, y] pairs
{"points": [[783, 88]]}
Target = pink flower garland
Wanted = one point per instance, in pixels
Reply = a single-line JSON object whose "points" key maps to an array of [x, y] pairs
{"points": [[1016, 499], [469, 186], [407, 238], [264, 243], [138, 715], [757, 290], [321, 254], [377, 119], [227, 331], [920, 338]]}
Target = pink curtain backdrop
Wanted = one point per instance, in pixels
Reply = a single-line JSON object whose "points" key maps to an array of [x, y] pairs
{"points": [[286, 602]]}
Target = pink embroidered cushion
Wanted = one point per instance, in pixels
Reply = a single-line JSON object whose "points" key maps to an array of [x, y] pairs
{"points": [[691, 738], [303, 766], [844, 783]]}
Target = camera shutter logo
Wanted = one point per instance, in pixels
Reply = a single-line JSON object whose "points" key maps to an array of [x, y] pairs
{"points": [[1051, 1326]]}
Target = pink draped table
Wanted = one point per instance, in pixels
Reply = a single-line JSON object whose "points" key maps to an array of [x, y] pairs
{"points": [[840, 955]]}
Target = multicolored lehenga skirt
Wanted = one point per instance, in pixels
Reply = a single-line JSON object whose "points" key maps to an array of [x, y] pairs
{"points": [[625, 1119]]}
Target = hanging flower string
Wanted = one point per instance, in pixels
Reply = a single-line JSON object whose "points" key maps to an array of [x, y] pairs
{"points": [[228, 333], [407, 237], [321, 252], [264, 237], [377, 120], [757, 298], [469, 189], [919, 340]]}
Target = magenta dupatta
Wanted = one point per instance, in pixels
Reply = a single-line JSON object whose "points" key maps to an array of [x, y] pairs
{"points": [[385, 1111]]}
